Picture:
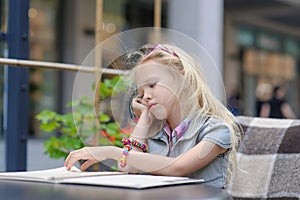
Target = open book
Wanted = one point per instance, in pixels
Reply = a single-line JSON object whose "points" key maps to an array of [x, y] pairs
{"points": [[56, 175], [113, 179]]}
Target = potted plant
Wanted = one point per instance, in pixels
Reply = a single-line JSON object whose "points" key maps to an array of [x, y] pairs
{"points": [[70, 136]]}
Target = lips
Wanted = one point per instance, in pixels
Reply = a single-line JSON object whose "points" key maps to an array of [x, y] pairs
{"points": [[151, 105]]}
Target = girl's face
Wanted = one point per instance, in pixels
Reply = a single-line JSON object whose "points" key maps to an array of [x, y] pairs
{"points": [[157, 87]]}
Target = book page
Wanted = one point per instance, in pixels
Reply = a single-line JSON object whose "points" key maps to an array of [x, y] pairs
{"points": [[136, 181], [52, 175]]}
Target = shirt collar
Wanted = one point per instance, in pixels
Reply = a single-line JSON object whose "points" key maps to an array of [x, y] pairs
{"points": [[195, 124], [179, 130]]}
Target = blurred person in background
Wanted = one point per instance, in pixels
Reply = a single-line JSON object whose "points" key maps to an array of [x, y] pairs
{"points": [[277, 106], [263, 95], [234, 102]]}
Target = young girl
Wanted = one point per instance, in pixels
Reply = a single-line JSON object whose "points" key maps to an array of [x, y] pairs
{"points": [[181, 129]]}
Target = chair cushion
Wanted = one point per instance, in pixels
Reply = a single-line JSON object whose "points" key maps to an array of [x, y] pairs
{"points": [[268, 160]]}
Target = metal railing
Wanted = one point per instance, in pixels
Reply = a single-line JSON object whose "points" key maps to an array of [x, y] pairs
{"points": [[58, 66]]}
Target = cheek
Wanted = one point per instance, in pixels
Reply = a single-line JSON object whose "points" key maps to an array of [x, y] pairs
{"points": [[171, 97], [168, 98], [164, 98], [159, 111]]}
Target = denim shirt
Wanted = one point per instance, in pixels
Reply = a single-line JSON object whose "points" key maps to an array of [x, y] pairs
{"points": [[200, 129]]}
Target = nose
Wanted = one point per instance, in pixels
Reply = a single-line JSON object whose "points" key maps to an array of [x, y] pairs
{"points": [[147, 96]]}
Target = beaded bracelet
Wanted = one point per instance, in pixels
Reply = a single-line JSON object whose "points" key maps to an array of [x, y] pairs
{"points": [[135, 143], [141, 145], [128, 143], [126, 149]]}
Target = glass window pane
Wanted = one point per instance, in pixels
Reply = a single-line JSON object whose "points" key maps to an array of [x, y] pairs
{"points": [[43, 29], [44, 25]]}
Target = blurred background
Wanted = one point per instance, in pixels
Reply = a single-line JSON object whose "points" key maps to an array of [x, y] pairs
{"points": [[255, 44]]}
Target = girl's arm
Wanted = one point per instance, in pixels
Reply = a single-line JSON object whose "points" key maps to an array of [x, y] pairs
{"points": [[192, 160], [183, 165]]}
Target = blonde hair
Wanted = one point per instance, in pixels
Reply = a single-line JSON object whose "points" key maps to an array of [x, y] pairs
{"points": [[198, 98], [263, 91]]}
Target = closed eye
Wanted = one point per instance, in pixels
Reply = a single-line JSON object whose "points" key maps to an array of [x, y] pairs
{"points": [[152, 85]]}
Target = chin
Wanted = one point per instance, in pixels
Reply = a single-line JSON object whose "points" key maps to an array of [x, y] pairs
{"points": [[159, 112], [160, 115]]}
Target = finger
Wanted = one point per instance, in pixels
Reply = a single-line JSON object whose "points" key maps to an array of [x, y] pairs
{"points": [[72, 158], [67, 161], [87, 164], [66, 164], [138, 97], [144, 102], [136, 100]]}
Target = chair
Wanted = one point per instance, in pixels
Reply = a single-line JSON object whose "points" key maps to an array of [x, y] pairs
{"points": [[268, 160]]}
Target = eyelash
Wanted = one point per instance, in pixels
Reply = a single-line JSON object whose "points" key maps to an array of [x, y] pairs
{"points": [[151, 85]]}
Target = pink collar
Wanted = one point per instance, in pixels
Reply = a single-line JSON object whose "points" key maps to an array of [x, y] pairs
{"points": [[179, 130]]}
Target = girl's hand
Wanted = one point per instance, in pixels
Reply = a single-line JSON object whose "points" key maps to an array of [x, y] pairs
{"points": [[139, 106], [141, 111], [92, 155]]}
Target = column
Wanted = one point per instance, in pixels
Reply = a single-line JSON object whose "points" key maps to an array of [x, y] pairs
{"points": [[202, 20]]}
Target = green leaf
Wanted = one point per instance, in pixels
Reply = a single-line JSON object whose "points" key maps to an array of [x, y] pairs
{"points": [[104, 118], [118, 143], [112, 129], [104, 141], [52, 148], [46, 116], [49, 127]]}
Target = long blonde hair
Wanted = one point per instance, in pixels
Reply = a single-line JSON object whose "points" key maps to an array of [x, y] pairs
{"points": [[198, 97]]}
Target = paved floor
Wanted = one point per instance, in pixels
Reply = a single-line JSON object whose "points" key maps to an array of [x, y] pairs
{"points": [[36, 160]]}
